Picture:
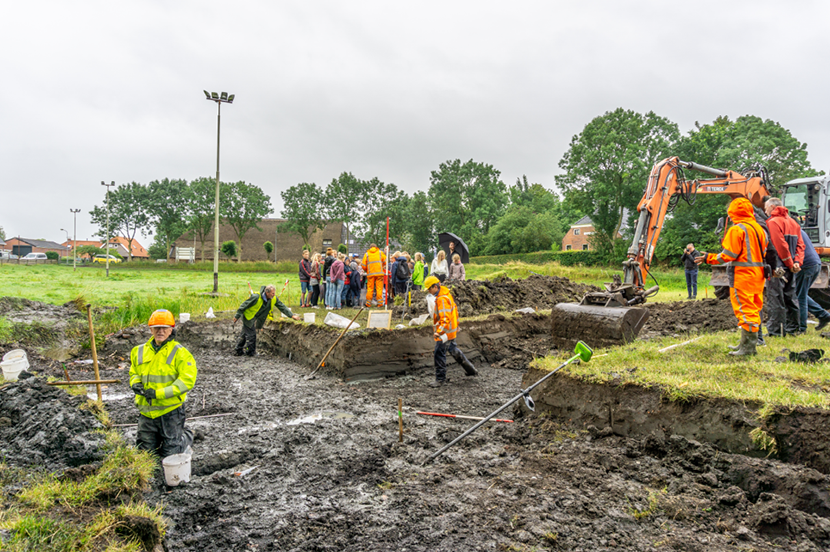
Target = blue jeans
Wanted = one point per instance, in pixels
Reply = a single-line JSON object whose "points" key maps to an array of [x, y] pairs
{"points": [[337, 292], [803, 280], [329, 299], [691, 282], [305, 287]]}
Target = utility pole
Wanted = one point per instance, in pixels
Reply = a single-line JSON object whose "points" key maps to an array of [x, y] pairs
{"points": [[224, 98], [75, 238], [108, 223]]}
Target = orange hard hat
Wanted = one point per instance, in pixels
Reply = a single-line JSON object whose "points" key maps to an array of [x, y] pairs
{"points": [[431, 281], [161, 319]]}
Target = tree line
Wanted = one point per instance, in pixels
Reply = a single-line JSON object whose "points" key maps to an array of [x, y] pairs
{"points": [[604, 173], [170, 207]]}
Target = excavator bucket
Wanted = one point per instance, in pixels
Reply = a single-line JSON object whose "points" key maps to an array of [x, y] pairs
{"points": [[599, 325], [720, 278]]}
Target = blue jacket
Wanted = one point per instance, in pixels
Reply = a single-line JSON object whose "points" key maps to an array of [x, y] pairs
{"points": [[811, 258]]}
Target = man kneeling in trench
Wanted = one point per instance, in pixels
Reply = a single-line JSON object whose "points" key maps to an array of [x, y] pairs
{"points": [[445, 324], [162, 371], [253, 312]]}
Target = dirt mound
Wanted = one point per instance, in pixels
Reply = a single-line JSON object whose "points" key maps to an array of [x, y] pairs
{"points": [[42, 425], [475, 297], [708, 315]]}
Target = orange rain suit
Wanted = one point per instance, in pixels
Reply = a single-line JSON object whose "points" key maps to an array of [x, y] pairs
{"points": [[445, 315], [744, 246], [374, 263]]}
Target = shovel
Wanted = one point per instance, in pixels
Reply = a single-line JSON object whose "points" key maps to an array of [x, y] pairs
{"points": [[583, 353], [322, 362]]}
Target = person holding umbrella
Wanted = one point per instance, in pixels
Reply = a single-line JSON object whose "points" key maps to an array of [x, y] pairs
{"points": [[452, 244]]}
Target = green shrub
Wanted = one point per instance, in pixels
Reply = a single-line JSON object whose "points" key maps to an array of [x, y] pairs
{"points": [[343, 248], [269, 247], [52, 256], [229, 249]]}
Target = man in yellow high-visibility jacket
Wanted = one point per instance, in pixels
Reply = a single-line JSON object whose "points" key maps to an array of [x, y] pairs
{"points": [[162, 371], [445, 328], [253, 312]]}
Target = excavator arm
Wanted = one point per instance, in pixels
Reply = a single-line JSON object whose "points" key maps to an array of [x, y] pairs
{"points": [[667, 184]]}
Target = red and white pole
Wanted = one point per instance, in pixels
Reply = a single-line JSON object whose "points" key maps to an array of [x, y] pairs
{"points": [[386, 271]]}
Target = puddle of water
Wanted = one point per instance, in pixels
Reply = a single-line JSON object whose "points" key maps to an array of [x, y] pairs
{"points": [[109, 396], [319, 416]]}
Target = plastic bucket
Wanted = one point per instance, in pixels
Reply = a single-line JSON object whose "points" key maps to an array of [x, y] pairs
{"points": [[309, 317], [184, 317], [12, 368], [15, 354], [177, 469]]}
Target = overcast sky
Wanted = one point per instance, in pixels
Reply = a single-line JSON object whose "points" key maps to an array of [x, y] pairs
{"points": [[112, 91]]}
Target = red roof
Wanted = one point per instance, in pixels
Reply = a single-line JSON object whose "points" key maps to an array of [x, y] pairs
{"points": [[138, 249], [80, 243]]}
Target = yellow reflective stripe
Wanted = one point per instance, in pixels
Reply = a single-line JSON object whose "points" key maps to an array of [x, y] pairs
{"points": [[162, 378], [153, 407], [172, 354], [141, 354], [744, 263], [730, 253]]}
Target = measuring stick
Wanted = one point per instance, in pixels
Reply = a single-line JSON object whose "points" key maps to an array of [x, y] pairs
{"points": [[462, 417], [400, 420]]}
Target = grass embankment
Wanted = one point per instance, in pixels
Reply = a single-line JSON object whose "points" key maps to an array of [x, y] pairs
{"points": [[93, 513], [703, 369]]}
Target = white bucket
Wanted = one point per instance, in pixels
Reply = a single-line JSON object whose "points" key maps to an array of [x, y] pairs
{"points": [[309, 317], [177, 469], [184, 317], [15, 354], [12, 368]]}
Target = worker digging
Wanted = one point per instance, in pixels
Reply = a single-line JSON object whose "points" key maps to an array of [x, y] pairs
{"points": [[254, 311]]}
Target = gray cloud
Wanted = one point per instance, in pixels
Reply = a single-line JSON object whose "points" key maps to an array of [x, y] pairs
{"points": [[112, 91]]}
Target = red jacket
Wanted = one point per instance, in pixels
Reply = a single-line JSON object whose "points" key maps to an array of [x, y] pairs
{"points": [[785, 234]]}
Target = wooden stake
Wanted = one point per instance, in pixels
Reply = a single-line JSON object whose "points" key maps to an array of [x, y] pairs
{"points": [[94, 351], [400, 420], [66, 372], [84, 382], [322, 362]]}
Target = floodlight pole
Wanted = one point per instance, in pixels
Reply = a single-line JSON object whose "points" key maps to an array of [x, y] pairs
{"points": [[75, 239], [219, 100], [108, 223]]}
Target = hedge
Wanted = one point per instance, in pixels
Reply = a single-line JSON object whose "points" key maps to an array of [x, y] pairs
{"points": [[565, 258]]}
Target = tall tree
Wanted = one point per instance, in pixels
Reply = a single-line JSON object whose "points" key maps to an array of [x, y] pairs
{"points": [[467, 199], [733, 145], [244, 206], [2, 233], [342, 198], [302, 210], [201, 200], [127, 213], [383, 200], [419, 225], [168, 207], [607, 165]]}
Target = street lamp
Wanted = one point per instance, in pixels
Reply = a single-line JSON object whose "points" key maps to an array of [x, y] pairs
{"points": [[224, 98], [108, 223], [75, 238]]}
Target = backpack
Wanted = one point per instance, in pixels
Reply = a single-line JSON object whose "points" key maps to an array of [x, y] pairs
{"points": [[402, 273]]}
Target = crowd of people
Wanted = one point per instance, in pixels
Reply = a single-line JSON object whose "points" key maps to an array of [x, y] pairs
{"points": [[350, 281], [773, 264]]}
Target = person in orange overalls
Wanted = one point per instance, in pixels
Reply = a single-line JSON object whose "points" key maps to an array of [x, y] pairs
{"points": [[374, 263], [445, 328], [743, 247]]}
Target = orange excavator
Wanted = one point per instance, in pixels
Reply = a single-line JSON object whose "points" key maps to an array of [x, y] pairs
{"points": [[611, 317]]}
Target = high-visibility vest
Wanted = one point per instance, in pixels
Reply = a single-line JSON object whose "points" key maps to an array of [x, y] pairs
{"points": [[373, 262], [171, 372], [445, 315], [251, 311]]}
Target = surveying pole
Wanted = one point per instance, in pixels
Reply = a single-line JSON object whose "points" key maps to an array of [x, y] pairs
{"points": [[75, 239], [108, 223]]}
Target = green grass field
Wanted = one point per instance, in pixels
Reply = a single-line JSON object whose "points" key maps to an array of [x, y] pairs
{"points": [[136, 292]]}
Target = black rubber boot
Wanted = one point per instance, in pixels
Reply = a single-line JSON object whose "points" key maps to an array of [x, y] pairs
{"points": [[748, 342], [469, 369]]}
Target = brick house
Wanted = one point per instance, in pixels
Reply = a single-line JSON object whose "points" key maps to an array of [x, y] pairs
{"points": [[288, 246], [576, 238], [24, 246]]}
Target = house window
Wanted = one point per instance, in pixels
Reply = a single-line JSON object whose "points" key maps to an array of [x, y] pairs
{"points": [[568, 247], [576, 231], [326, 243], [585, 247]]}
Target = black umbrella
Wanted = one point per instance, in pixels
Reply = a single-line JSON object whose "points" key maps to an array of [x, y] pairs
{"points": [[461, 248]]}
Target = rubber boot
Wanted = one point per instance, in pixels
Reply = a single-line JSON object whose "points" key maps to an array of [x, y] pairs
{"points": [[739, 345], [469, 369], [748, 342]]}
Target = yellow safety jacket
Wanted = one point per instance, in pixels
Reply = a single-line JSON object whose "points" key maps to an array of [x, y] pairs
{"points": [[249, 311], [171, 372], [445, 315]]}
